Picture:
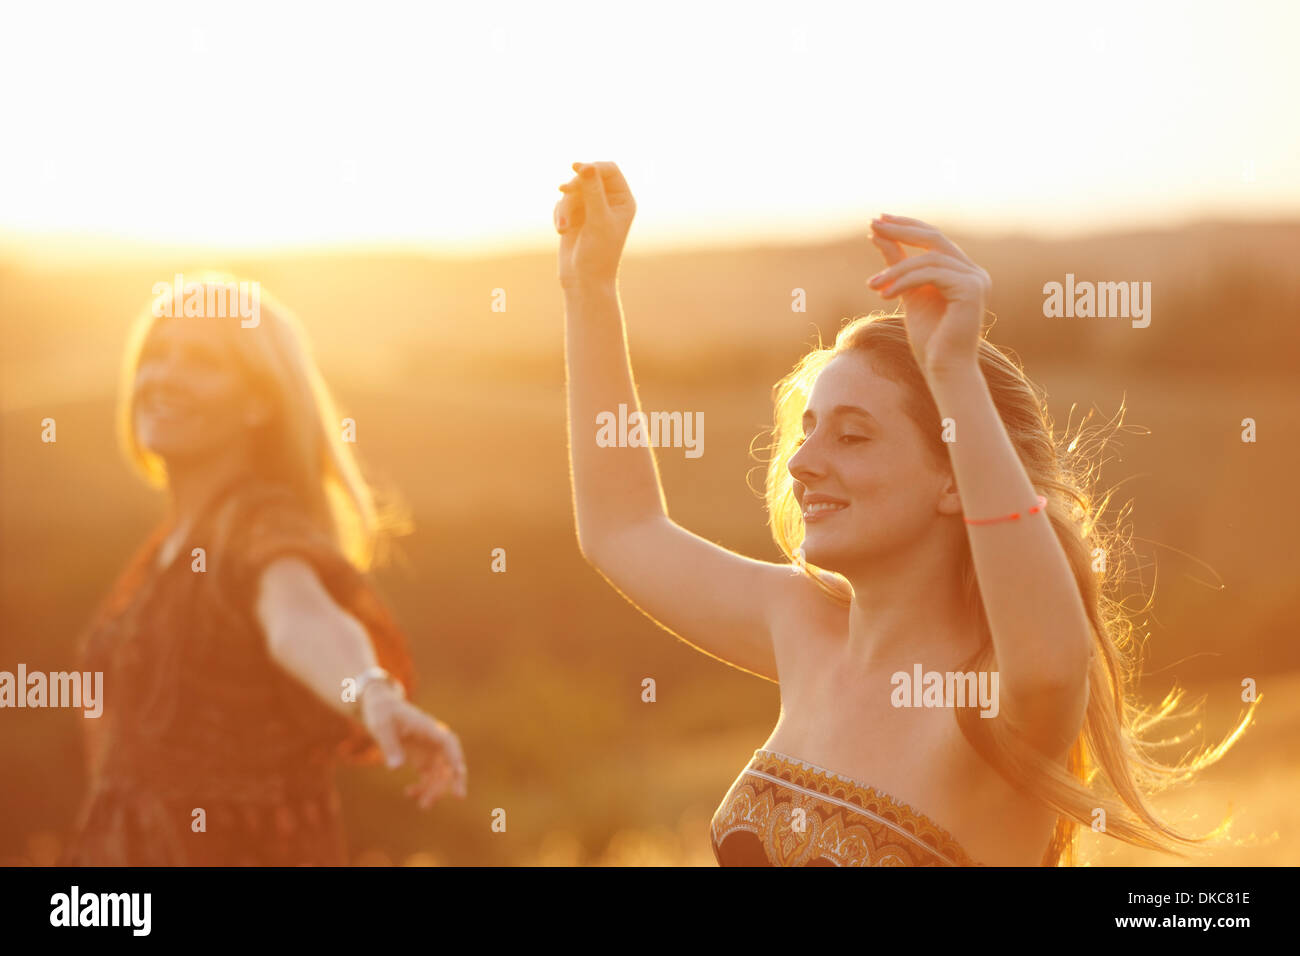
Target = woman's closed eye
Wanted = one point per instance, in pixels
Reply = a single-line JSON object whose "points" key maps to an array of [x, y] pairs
{"points": [[847, 439]]}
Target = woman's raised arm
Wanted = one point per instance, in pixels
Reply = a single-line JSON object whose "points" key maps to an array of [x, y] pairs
{"points": [[718, 601], [1040, 627]]}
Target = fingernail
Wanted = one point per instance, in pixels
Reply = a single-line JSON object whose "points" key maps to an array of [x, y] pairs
{"points": [[394, 761], [576, 167], [875, 279]]}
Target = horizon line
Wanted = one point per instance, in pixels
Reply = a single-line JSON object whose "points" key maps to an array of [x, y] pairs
{"points": [[80, 247]]}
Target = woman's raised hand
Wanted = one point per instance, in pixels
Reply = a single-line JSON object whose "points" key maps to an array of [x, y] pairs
{"points": [[593, 219], [944, 292]]}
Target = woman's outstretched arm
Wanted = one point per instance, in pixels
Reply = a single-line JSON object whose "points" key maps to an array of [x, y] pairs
{"points": [[718, 601], [1041, 634], [321, 645]]}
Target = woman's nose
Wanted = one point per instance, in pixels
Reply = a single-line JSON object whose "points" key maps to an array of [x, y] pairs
{"points": [[803, 465]]}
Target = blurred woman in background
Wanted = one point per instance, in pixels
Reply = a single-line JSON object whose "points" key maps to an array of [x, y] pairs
{"points": [[243, 651], [934, 524]]}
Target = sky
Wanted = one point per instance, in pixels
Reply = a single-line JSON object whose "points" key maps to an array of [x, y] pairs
{"points": [[448, 126]]}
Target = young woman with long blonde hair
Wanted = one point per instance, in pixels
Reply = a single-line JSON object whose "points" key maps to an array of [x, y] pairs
{"points": [[935, 524], [243, 650]]}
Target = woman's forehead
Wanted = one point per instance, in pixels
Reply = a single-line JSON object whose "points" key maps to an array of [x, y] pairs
{"points": [[183, 329], [850, 379]]}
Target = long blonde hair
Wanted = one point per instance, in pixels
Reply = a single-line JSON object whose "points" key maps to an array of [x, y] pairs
{"points": [[1114, 739], [302, 444]]}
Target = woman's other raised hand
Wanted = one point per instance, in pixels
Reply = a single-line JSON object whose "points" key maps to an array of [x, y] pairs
{"points": [[593, 219]]}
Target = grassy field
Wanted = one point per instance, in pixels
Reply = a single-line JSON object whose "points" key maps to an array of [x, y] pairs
{"points": [[539, 669]]}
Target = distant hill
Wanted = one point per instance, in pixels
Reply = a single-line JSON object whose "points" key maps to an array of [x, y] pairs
{"points": [[1225, 298]]}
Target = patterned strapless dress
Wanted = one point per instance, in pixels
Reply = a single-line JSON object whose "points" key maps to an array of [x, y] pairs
{"points": [[784, 812]]}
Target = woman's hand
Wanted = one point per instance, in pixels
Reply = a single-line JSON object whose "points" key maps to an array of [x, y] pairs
{"points": [[402, 730], [944, 293], [593, 220]]}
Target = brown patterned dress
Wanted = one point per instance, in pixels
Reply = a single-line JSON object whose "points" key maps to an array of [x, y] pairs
{"points": [[197, 715], [785, 812]]}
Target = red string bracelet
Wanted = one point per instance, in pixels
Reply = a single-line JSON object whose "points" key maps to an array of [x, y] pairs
{"points": [[1014, 516]]}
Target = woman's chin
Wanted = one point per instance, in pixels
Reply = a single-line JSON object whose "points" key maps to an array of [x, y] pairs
{"points": [[164, 445], [180, 448], [166, 438], [833, 556]]}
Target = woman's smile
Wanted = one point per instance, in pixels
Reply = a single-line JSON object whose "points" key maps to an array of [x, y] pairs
{"points": [[166, 406], [818, 507]]}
